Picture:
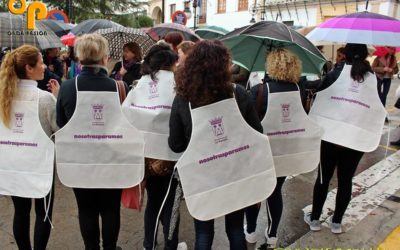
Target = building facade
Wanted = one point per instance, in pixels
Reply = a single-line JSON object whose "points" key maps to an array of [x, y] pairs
{"points": [[231, 14]]}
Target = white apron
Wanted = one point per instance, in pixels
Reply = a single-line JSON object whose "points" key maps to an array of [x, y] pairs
{"points": [[227, 166], [26, 152], [350, 113], [98, 148], [295, 139], [148, 108]]}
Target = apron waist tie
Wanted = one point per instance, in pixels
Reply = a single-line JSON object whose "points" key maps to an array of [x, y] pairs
{"points": [[161, 208], [47, 208]]}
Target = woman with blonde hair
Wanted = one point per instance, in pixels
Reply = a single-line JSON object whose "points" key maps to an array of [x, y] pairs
{"points": [[183, 50], [28, 119], [294, 138], [99, 152]]}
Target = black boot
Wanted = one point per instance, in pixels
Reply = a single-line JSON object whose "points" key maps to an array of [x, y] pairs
{"points": [[395, 143]]}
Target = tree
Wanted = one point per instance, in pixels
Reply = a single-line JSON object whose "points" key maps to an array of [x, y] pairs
{"points": [[143, 21], [86, 9]]}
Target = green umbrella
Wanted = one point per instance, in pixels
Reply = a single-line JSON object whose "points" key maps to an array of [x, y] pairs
{"points": [[210, 32], [250, 45]]}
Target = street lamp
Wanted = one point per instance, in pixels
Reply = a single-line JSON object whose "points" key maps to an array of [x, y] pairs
{"points": [[195, 4], [258, 8], [253, 11]]}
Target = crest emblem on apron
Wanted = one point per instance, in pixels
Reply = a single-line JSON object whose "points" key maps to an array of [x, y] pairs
{"points": [[285, 112], [354, 86], [98, 115], [153, 89], [98, 112], [217, 126], [19, 119]]}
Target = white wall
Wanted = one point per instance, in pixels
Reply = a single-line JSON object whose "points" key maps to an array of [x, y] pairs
{"points": [[300, 19]]}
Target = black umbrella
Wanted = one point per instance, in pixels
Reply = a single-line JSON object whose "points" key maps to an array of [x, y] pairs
{"points": [[163, 29], [91, 25], [57, 26], [14, 33]]}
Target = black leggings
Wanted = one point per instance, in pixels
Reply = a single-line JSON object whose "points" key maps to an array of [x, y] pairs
{"points": [[346, 160], [21, 223], [93, 203], [157, 187], [275, 206]]}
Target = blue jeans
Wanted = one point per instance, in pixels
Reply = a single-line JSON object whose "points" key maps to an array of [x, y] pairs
{"points": [[233, 227], [385, 83]]}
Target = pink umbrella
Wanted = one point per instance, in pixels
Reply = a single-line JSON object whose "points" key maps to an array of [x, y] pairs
{"points": [[68, 39], [382, 51], [361, 27]]}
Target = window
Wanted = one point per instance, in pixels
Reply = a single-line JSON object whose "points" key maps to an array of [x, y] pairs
{"points": [[203, 11], [243, 5], [221, 6], [172, 9], [288, 23]]}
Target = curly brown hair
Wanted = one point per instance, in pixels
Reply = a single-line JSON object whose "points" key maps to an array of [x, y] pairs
{"points": [[205, 76]]}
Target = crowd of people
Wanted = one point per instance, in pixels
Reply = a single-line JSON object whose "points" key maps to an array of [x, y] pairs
{"points": [[185, 102]]}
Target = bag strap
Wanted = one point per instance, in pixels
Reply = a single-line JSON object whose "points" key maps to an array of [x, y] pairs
{"points": [[121, 90], [259, 99]]}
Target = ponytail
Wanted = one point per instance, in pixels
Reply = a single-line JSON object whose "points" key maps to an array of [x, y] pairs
{"points": [[356, 55], [359, 69], [159, 57], [12, 69], [8, 87]]}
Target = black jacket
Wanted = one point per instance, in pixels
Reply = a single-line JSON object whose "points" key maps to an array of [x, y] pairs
{"points": [[90, 79], [332, 76], [132, 74], [57, 64], [42, 84], [180, 123]]}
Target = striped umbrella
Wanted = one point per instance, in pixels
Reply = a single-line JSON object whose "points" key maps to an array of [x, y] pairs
{"points": [[361, 27], [211, 32], [117, 37], [14, 33], [162, 29]]}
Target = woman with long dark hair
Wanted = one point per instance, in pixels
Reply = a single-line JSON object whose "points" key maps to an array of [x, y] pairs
{"points": [[148, 107], [349, 110], [204, 88], [27, 115]]}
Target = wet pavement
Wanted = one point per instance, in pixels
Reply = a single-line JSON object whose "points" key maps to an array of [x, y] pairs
{"points": [[297, 194]]}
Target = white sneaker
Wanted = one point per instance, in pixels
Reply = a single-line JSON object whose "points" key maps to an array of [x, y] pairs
{"points": [[336, 228], [182, 246], [315, 225], [250, 237], [272, 242]]}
